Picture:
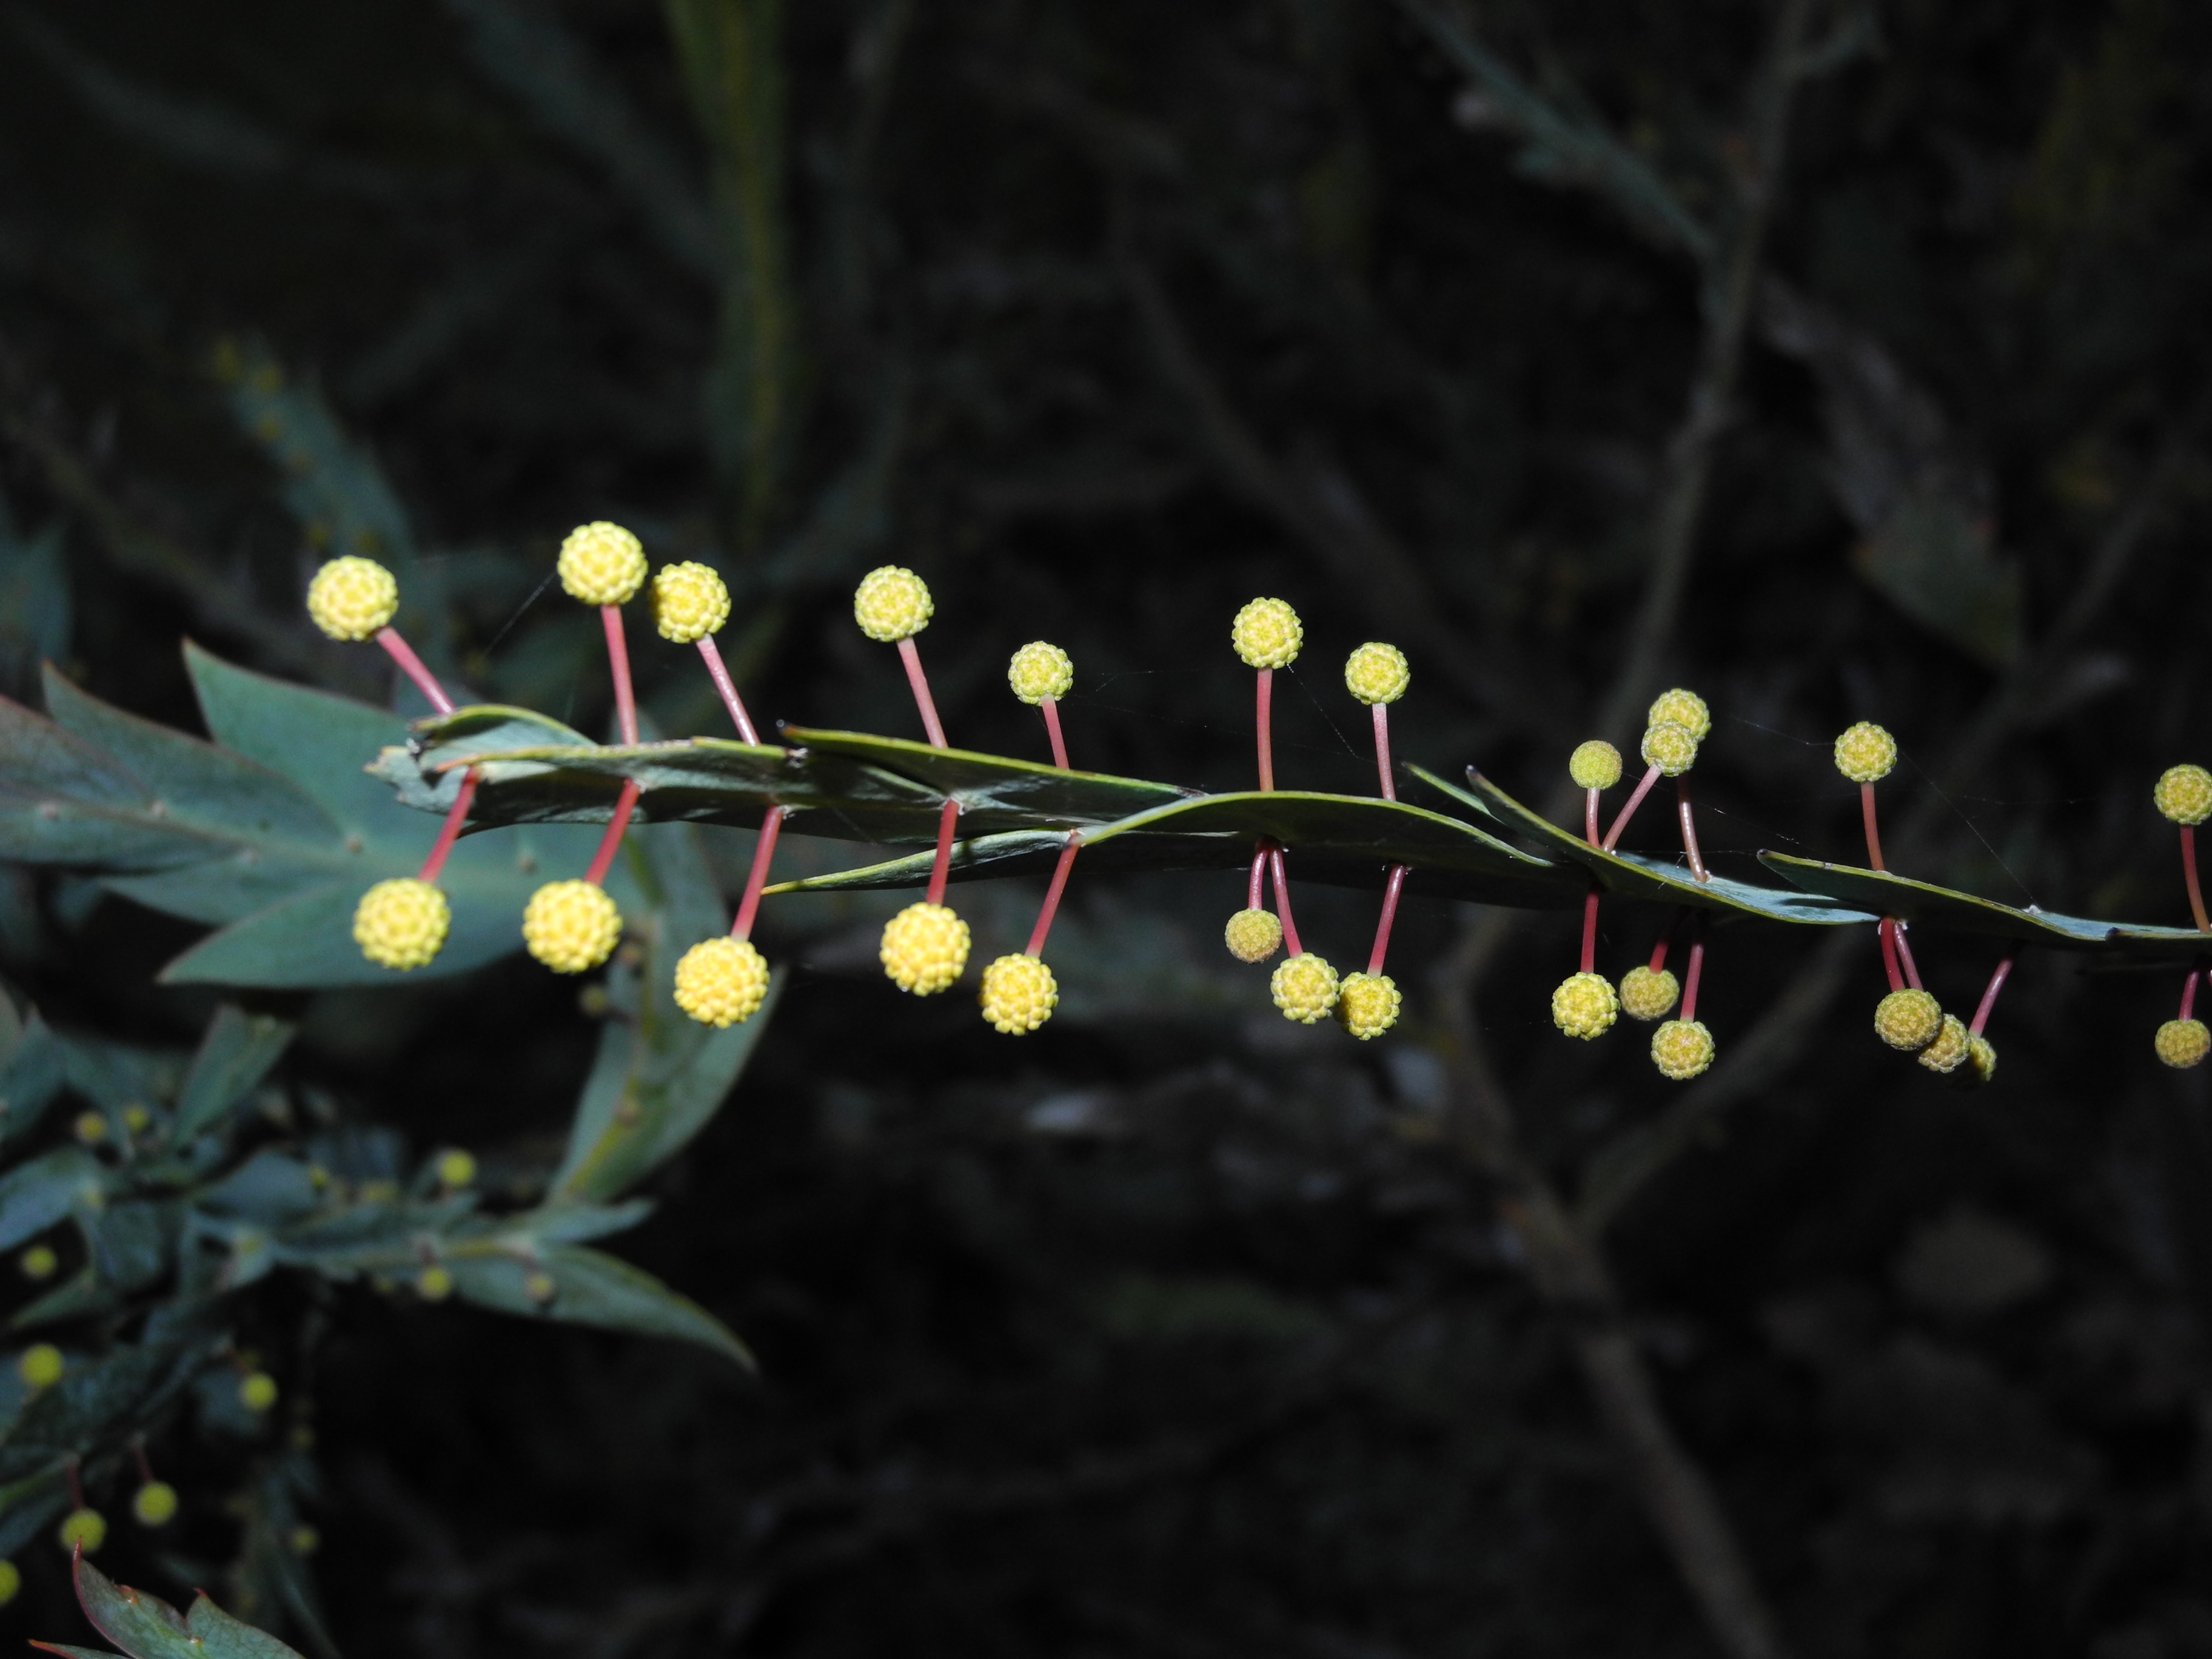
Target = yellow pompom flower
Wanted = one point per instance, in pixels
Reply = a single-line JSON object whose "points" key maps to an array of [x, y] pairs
{"points": [[257, 1392], [925, 947], [11, 1582], [1376, 673], [1865, 753], [1584, 1005], [1981, 1059], [2182, 1043], [41, 1366], [1646, 995], [1039, 671], [1682, 1048], [91, 1128], [689, 601], [571, 925], [540, 1286], [1019, 994], [892, 604], [2185, 793], [602, 563], [435, 1283], [1671, 747], [456, 1169], [353, 599], [1953, 1047], [1367, 1003], [402, 923], [1305, 987], [1594, 765], [1253, 935], [82, 1530], [1267, 634], [155, 1503], [1684, 708], [721, 981], [1908, 1020], [38, 1261]]}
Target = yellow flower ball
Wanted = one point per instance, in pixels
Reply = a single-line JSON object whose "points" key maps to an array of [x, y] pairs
{"points": [[1981, 1065], [540, 1286], [1682, 1048], [2182, 1043], [1019, 994], [433, 1283], [1267, 634], [38, 1261], [1584, 1005], [137, 1120], [1908, 1020], [402, 923], [1953, 1047], [1305, 987], [1594, 765], [40, 1366], [721, 981], [1039, 671], [1376, 673], [90, 1128], [892, 604], [11, 1582], [82, 1530], [155, 1503], [602, 563], [1672, 747], [2185, 793], [1865, 753], [257, 1392], [303, 1540], [1253, 935], [1646, 995], [571, 925], [925, 947], [353, 599], [456, 1169], [1684, 708], [689, 601], [1367, 1003]]}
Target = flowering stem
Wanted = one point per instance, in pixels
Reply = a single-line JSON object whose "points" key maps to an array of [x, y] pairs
{"points": [[1695, 972], [1689, 830], [456, 815], [1628, 809], [1659, 951], [2189, 875], [1382, 749], [1267, 702], [1904, 954], [1589, 816], [1873, 830], [603, 860], [1283, 897], [920, 682], [1590, 930], [1989, 996], [411, 665], [75, 1482], [138, 1452], [1887, 933], [2188, 994], [757, 877], [1052, 893], [618, 659], [1259, 872], [720, 673], [943, 864], [1050, 706], [1389, 915]]}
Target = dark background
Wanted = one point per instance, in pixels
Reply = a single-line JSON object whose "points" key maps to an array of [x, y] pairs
{"points": [[1173, 1329]]}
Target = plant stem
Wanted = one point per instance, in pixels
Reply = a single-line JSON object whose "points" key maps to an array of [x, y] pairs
{"points": [[618, 659], [1689, 830], [1873, 830], [2189, 875], [1389, 915], [1887, 933], [411, 665], [1283, 899], [1043, 927], [1589, 929], [1258, 872], [1589, 816], [1628, 809], [603, 860], [942, 865], [1266, 704], [456, 815], [1989, 997], [1382, 750], [720, 673], [920, 682], [1904, 956], [2188, 994], [757, 877], [1050, 709], [1695, 972]]}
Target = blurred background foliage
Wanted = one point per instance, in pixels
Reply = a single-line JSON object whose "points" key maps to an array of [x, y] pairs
{"points": [[1843, 362]]}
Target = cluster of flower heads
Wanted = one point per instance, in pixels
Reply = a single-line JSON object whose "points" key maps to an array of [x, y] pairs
{"points": [[572, 926]]}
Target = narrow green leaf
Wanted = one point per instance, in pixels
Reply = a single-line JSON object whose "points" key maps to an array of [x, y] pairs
{"points": [[987, 784], [76, 1653], [590, 1288], [98, 1400], [142, 1625], [30, 1505], [35, 1195], [225, 1637], [1633, 876], [1925, 904], [235, 1054], [31, 1079], [83, 1292]]}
